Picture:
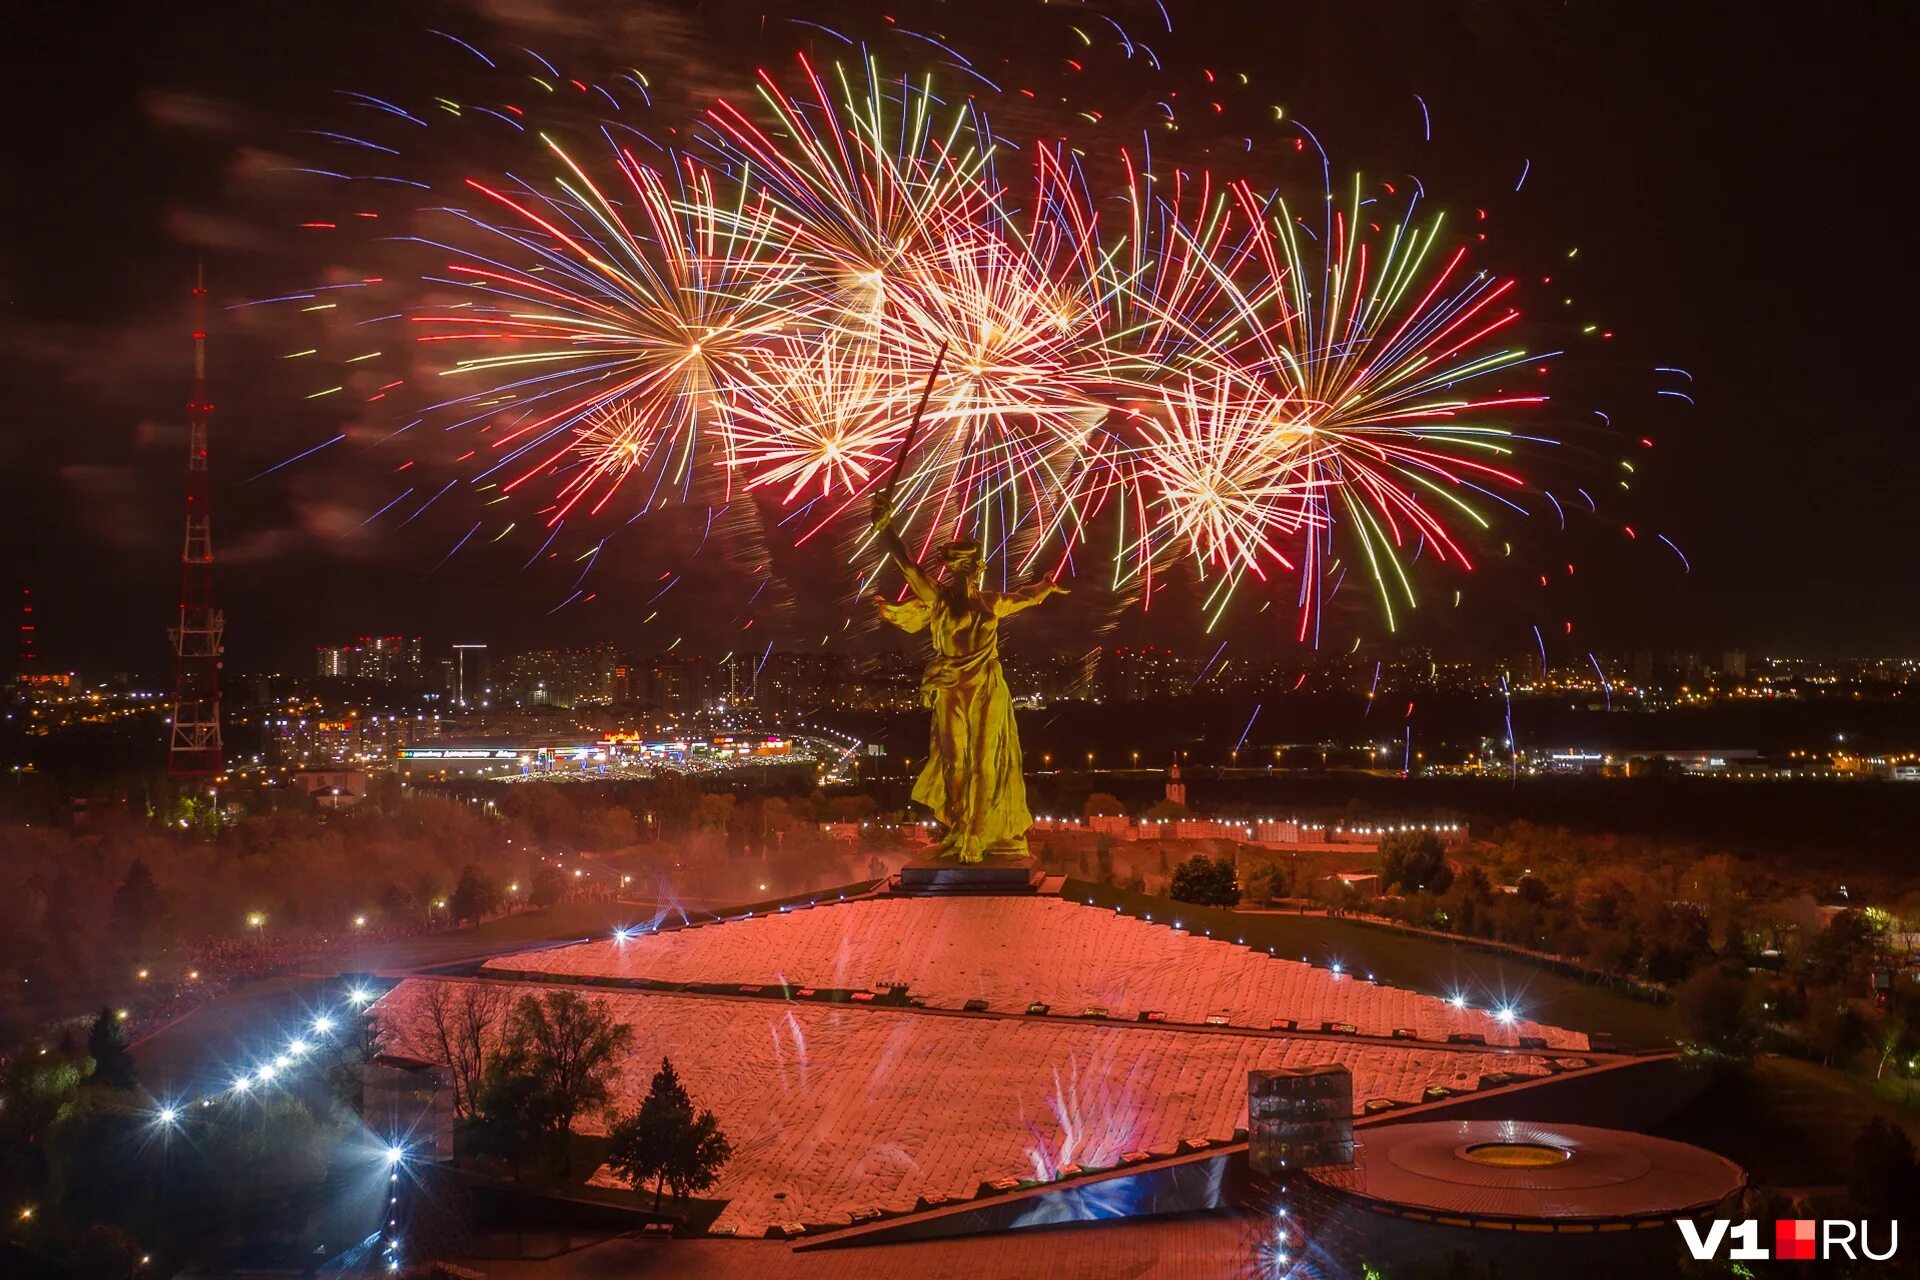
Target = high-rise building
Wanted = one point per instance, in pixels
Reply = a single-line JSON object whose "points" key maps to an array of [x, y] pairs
{"points": [[468, 684], [387, 659], [583, 677], [372, 659], [678, 686]]}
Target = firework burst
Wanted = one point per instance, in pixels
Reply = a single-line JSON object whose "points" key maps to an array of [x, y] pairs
{"points": [[1180, 360], [613, 326]]}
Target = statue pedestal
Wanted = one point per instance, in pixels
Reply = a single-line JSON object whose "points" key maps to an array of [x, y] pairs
{"points": [[1007, 875]]}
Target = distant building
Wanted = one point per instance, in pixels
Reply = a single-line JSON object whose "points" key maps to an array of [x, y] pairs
{"points": [[797, 683], [333, 788], [469, 687], [673, 685], [1142, 674], [582, 677], [372, 660]]}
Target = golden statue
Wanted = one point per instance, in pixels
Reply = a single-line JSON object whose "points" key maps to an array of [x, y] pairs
{"points": [[972, 781]]}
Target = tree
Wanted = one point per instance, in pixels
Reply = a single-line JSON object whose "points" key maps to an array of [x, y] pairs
{"points": [[105, 1253], [476, 894], [515, 1116], [107, 1044], [1207, 883], [608, 829], [138, 911], [345, 1057], [1415, 862], [1832, 1024], [569, 1044], [665, 1141], [1714, 1007], [100, 1168], [1103, 804], [243, 1162], [548, 885], [39, 1087], [716, 811], [1263, 881], [1885, 1177], [455, 1023]]}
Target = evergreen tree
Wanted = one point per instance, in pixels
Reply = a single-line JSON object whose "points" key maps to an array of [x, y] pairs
{"points": [[138, 912], [665, 1141], [112, 1063]]}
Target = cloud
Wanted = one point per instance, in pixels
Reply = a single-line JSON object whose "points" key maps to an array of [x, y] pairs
{"points": [[178, 109], [115, 507], [202, 230]]}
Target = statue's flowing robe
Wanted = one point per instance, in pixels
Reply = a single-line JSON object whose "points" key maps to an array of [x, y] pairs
{"points": [[972, 781]]}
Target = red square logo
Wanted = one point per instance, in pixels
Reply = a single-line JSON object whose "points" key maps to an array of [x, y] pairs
{"points": [[1793, 1239]]}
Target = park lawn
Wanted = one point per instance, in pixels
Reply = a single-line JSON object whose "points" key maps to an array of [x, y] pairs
{"points": [[1791, 1123], [1440, 967], [1431, 966]]}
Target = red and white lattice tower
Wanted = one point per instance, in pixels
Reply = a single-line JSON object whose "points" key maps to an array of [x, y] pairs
{"points": [[193, 745]]}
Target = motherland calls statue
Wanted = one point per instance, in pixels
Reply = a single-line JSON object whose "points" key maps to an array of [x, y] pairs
{"points": [[972, 781]]}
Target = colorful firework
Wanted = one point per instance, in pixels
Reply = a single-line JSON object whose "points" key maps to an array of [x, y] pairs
{"points": [[612, 327], [1177, 359]]}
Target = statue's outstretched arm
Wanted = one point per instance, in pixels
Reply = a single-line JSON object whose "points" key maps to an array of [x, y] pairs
{"points": [[916, 576], [1026, 597]]}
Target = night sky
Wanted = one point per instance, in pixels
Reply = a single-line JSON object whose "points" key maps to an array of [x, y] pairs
{"points": [[1731, 178]]}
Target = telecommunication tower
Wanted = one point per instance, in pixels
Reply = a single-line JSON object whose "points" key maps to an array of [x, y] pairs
{"points": [[193, 747]]}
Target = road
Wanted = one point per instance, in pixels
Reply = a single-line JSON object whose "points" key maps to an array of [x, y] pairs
{"points": [[206, 1049]]}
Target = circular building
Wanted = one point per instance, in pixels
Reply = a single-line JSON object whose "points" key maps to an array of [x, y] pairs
{"points": [[1531, 1192]]}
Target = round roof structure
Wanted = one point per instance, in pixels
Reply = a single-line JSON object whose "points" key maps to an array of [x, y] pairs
{"points": [[1462, 1170]]}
